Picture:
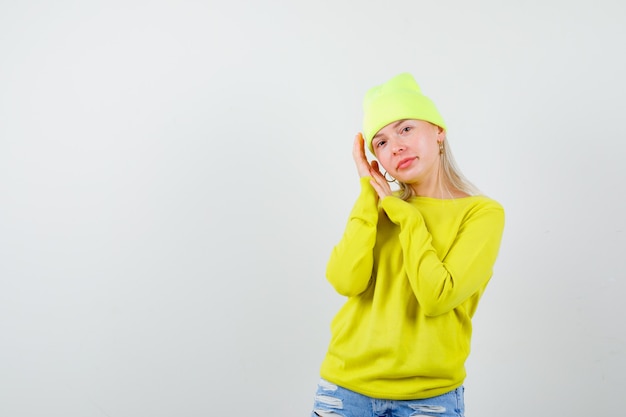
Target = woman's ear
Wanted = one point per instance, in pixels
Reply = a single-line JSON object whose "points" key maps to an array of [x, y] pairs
{"points": [[441, 134]]}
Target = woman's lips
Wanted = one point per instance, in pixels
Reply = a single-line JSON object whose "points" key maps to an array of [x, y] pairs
{"points": [[406, 162]]}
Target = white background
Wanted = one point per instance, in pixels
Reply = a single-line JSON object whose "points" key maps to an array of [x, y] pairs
{"points": [[174, 174]]}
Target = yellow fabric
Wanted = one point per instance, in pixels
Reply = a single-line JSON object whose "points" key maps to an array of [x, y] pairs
{"points": [[413, 273]]}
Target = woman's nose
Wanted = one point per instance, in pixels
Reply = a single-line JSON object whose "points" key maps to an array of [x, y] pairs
{"points": [[397, 147]]}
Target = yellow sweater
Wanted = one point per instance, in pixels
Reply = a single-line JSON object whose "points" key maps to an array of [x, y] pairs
{"points": [[413, 272]]}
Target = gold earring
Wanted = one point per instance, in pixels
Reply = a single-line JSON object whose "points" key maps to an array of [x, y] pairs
{"points": [[440, 148], [387, 179]]}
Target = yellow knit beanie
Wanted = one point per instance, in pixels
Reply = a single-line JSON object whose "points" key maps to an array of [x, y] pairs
{"points": [[398, 99]]}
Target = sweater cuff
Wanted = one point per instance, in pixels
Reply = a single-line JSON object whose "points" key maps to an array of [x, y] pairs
{"points": [[366, 206], [399, 211]]}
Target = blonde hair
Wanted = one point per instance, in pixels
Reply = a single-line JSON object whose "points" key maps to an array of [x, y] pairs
{"points": [[452, 177]]}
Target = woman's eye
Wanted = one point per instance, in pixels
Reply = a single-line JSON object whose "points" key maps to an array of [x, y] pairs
{"points": [[380, 143], [406, 129]]}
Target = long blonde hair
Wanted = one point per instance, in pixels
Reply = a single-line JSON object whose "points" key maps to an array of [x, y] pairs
{"points": [[452, 176]]}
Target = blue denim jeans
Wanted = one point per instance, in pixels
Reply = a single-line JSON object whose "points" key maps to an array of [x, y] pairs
{"points": [[334, 401]]}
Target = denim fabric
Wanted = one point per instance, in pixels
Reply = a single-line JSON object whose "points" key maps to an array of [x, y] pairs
{"points": [[334, 401]]}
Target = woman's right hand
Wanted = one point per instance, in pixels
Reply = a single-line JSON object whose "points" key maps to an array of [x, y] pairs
{"points": [[367, 169], [363, 166]]}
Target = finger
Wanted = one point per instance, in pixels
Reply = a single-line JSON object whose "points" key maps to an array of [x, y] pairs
{"points": [[361, 143], [375, 186], [357, 148], [376, 171], [380, 180], [376, 167], [358, 154], [357, 138], [381, 187]]}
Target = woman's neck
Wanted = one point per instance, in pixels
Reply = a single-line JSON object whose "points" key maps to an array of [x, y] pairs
{"points": [[440, 189]]}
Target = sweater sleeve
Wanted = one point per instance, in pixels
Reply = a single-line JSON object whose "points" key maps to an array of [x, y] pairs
{"points": [[349, 268], [441, 285]]}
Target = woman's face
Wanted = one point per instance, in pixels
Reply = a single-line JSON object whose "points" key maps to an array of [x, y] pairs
{"points": [[409, 150]]}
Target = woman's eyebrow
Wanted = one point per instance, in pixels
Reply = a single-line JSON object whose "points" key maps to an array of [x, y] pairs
{"points": [[395, 124]]}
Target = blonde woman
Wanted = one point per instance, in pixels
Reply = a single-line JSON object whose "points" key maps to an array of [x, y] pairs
{"points": [[413, 265]]}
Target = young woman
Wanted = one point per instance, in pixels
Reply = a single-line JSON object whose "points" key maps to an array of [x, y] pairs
{"points": [[413, 264]]}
